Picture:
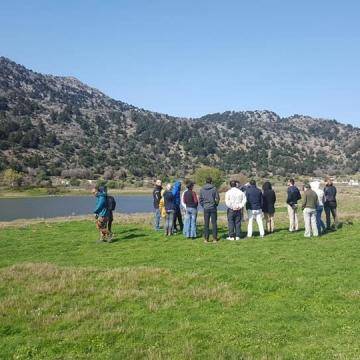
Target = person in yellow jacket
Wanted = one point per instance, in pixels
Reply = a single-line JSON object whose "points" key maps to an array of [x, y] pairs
{"points": [[162, 204]]}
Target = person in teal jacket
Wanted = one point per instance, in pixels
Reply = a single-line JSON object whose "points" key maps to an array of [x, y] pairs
{"points": [[177, 214], [101, 213]]}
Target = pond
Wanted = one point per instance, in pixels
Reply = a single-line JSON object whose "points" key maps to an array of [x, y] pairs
{"points": [[56, 206]]}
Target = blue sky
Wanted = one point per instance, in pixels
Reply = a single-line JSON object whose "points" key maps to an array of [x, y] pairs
{"points": [[190, 58]]}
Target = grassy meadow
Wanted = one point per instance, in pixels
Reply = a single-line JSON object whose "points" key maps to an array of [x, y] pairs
{"points": [[144, 296]]}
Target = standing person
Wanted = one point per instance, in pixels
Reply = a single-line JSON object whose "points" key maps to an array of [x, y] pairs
{"points": [[235, 201], [101, 213], [191, 202], [269, 200], [293, 196], [330, 203], [309, 205], [315, 186], [209, 200], [111, 205], [156, 200], [169, 202], [254, 205], [176, 191]]}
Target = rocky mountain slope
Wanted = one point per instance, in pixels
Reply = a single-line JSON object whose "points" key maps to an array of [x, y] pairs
{"points": [[58, 125]]}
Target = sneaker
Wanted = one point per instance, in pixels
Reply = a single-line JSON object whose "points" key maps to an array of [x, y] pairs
{"points": [[230, 238], [237, 238], [206, 241]]}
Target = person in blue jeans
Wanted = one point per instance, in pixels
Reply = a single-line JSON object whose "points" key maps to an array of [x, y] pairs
{"points": [[169, 200], [191, 202], [156, 201], [315, 186]]}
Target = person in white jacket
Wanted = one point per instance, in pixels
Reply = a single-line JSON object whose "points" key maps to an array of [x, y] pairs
{"points": [[235, 201], [315, 186]]}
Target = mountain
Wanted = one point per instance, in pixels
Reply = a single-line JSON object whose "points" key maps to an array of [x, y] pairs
{"points": [[57, 125]]}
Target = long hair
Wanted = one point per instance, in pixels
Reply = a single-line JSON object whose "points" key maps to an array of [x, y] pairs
{"points": [[267, 186]]}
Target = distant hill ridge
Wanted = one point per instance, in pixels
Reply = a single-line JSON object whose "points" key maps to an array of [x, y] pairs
{"points": [[58, 125]]}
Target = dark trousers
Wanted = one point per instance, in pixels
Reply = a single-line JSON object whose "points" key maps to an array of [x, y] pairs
{"points": [[178, 217], [210, 214], [330, 209], [111, 218], [234, 222]]}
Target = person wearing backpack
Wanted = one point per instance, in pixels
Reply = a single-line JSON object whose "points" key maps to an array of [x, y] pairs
{"points": [[191, 202], [111, 205], [101, 213], [293, 196]]}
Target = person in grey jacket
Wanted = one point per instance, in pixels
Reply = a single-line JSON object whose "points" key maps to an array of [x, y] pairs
{"points": [[209, 199]]}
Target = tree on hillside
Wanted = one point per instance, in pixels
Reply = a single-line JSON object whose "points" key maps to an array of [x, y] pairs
{"points": [[11, 178], [202, 173]]}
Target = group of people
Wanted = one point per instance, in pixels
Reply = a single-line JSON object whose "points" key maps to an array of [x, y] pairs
{"points": [[170, 203], [315, 200]]}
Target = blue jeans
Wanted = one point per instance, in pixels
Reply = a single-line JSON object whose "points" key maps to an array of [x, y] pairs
{"points": [[157, 219], [190, 223], [169, 222], [319, 223]]}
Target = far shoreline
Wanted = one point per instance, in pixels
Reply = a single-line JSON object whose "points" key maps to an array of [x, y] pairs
{"points": [[44, 192]]}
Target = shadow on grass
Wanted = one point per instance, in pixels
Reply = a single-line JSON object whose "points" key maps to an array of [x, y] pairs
{"points": [[119, 237]]}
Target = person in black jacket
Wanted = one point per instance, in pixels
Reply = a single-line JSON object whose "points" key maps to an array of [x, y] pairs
{"points": [[254, 205], [156, 200], [293, 196], [269, 199], [330, 203]]}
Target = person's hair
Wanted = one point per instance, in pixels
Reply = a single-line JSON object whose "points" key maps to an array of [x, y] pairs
{"points": [[267, 186], [232, 183], [189, 184], [292, 181], [209, 180], [252, 182], [307, 186]]}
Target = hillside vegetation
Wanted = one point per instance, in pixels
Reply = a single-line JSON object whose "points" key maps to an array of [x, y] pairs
{"points": [[53, 126]]}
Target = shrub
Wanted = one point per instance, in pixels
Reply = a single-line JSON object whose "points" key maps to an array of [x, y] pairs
{"points": [[74, 182], [202, 173]]}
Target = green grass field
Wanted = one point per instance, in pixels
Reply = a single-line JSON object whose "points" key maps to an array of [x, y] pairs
{"points": [[144, 296]]}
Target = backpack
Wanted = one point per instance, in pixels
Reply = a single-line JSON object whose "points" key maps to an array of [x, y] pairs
{"points": [[111, 203]]}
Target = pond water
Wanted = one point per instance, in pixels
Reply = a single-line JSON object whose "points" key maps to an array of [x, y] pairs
{"points": [[54, 206]]}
